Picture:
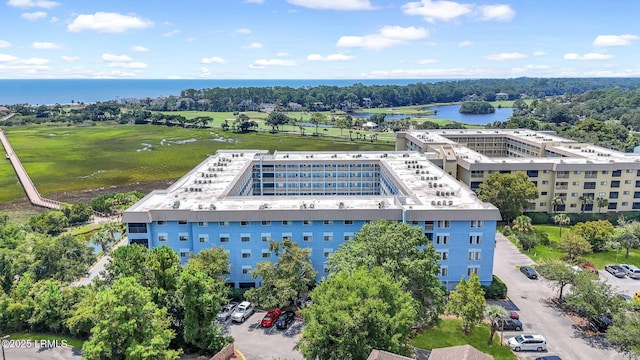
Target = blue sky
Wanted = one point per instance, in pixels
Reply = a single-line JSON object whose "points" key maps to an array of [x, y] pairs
{"points": [[318, 39]]}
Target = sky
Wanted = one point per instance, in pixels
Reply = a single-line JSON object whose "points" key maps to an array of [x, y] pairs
{"points": [[318, 39]]}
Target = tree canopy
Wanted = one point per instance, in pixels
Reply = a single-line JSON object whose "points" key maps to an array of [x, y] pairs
{"points": [[467, 302], [509, 192]]}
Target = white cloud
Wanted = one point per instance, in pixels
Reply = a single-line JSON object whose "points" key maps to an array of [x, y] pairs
{"points": [[265, 63], [213, 60], [539, 53], [427, 61], [171, 33], [47, 4], [254, 1], [331, 57], [333, 4], [614, 40], [205, 72], [242, 31], [7, 58], [386, 37], [53, 20], [70, 58], [437, 10], [282, 54], [115, 58], [465, 43], [496, 12], [45, 45], [106, 22], [32, 61], [31, 16], [255, 45], [506, 56], [588, 56], [139, 48], [4, 44], [129, 65]]}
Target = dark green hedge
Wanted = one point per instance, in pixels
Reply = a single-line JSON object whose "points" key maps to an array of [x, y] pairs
{"points": [[497, 289]]}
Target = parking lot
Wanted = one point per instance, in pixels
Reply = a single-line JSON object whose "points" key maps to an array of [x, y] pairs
{"points": [[258, 343]]}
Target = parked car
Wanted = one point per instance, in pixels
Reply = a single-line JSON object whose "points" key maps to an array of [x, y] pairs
{"points": [[527, 343], [511, 324], [529, 272], [285, 319], [226, 311], [590, 268], [632, 271], [242, 312], [514, 315], [270, 318], [550, 357], [615, 270], [601, 323]]}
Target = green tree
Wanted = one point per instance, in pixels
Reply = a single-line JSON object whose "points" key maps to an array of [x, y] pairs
{"points": [[592, 298], [202, 297], [354, 312], [624, 335], [557, 202], [627, 237], [64, 257], [558, 274], [522, 224], [126, 261], [318, 118], [52, 222], [561, 220], [286, 279], [585, 199], [102, 238], [213, 261], [494, 315], [48, 306], [404, 253], [601, 202], [82, 318], [467, 302], [342, 123], [574, 245], [129, 325], [476, 107], [162, 268], [77, 213], [275, 119], [595, 232], [511, 193]]}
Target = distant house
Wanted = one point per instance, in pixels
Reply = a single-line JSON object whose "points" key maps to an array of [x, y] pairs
{"points": [[366, 102], [4, 108], [462, 352], [294, 106], [502, 96], [268, 108]]}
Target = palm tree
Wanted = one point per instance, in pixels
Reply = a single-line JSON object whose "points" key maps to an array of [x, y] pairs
{"points": [[601, 202], [114, 228], [494, 314], [562, 219], [101, 238], [522, 224], [586, 200], [557, 201]]}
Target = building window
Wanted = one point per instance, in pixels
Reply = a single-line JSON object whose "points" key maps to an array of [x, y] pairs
{"points": [[577, 172], [475, 255], [328, 236], [203, 238], [625, 203], [590, 174], [626, 192], [613, 195], [224, 238], [574, 194], [477, 173], [182, 222], [612, 205], [245, 223], [266, 223], [245, 238], [545, 182], [307, 222], [615, 184], [627, 182], [287, 237], [589, 185], [246, 254], [442, 240], [348, 236], [161, 223], [348, 222], [246, 270], [223, 223], [183, 237], [326, 269], [603, 183], [475, 239], [473, 270], [543, 193], [635, 206], [616, 173], [307, 237], [137, 228], [444, 255], [163, 237], [184, 254], [265, 237], [444, 224], [327, 252], [202, 223], [443, 271], [575, 183], [476, 223], [532, 173], [286, 222], [266, 254], [328, 222], [543, 203]]}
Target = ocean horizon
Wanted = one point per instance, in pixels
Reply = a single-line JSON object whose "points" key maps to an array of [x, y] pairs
{"points": [[66, 91]]}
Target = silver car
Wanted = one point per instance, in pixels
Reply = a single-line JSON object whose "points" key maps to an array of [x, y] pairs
{"points": [[226, 311], [242, 312]]}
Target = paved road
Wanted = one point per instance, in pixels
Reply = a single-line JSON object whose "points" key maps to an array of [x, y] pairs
{"points": [[98, 266], [538, 316]]}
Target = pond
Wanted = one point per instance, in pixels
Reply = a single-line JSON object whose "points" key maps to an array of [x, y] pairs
{"points": [[450, 112]]}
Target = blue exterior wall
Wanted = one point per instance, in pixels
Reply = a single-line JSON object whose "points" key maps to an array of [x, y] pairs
{"points": [[457, 246]]}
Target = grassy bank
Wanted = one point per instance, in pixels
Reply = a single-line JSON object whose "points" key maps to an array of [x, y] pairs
{"points": [[63, 158]]}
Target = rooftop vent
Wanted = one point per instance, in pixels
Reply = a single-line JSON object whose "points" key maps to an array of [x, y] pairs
{"points": [[176, 204], [340, 205], [450, 202]]}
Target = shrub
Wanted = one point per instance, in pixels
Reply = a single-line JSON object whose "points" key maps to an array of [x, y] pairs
{"points": [[506, 231], [497, 289], [543, 237], [539, 218]]}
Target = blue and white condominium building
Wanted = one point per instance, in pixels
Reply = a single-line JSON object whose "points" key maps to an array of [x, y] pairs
{"points": [[240, 200]]}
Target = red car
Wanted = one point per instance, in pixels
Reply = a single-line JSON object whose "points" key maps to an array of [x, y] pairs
{"points": [[271, 318], [514, 315]]}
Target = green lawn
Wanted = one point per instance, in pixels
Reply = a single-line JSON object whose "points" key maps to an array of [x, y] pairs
{"points": [[448, 333], [71, 341], [64, 158]]}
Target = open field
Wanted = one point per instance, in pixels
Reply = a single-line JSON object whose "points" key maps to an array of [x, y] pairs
{"points": [[63, 159], [448, 332]]}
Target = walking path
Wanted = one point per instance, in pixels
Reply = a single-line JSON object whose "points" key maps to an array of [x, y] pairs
{"points": [[29, 188]]}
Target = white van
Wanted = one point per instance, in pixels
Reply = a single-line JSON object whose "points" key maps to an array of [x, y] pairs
{"points": [[528, 342], [632, 271]]}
